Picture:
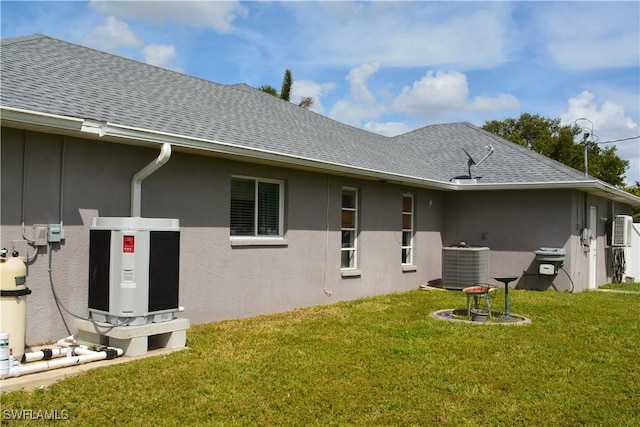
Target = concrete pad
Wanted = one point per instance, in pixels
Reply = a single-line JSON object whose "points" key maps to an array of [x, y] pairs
{"points": [[134, 340]]}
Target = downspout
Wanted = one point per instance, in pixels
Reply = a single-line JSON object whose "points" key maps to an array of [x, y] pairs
{"points": [[136, 181]]}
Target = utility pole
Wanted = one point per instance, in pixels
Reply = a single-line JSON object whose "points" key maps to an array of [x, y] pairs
{"points": [[586, 163]]}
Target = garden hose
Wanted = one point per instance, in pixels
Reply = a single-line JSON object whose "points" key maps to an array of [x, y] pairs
{"points": [[619, 264]]}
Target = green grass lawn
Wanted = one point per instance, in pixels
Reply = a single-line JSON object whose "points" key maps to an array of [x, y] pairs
{"points": [[378, 361]]}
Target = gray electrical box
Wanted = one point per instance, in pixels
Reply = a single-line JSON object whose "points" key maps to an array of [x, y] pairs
{"points": [[40, 234], [55, 233], [134, 268]]}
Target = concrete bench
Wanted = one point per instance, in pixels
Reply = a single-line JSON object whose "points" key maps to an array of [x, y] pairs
{"points": [[135, 340]]}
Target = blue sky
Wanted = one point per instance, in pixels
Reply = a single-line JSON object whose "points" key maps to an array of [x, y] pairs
{"points": [[388, 67]]}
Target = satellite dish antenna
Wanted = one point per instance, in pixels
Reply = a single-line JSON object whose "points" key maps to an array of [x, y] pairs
{"points": [[471, 162]]}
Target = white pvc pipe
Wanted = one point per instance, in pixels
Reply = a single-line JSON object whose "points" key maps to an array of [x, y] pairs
{"points": [[47, 353], [66, 342], [136, 181], [5, 356], [62, 362], [76, 355]]}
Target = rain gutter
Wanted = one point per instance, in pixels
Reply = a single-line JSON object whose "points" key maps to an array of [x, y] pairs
{"points": [[40, 120], [593, 186]]}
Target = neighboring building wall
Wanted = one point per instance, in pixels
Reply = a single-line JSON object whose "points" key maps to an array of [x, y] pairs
{"points": [[217, 280], [633, 255]]}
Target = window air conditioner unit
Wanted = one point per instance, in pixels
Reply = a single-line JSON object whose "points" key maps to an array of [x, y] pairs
{"points": [[621, 233]]}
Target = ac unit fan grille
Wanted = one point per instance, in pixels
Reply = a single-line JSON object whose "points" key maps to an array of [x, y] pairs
{"points": [[621, 233], [463, 267]]}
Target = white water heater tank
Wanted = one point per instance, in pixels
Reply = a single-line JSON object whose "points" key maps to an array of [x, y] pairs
{"points": [[134, 270]]}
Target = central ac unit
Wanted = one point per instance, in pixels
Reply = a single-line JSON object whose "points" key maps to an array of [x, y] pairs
{"points": [[621, 232], [463, 267]]}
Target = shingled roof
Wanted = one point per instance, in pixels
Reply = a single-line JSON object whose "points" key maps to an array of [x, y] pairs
{"points": [[46, 76]]}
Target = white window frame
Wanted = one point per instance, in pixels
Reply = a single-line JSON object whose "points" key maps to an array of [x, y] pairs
{"points": [[261, 239], [410, 230], [355, 229]]}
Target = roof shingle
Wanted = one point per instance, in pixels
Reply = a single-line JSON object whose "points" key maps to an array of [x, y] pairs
{"points": [[51, 76]]}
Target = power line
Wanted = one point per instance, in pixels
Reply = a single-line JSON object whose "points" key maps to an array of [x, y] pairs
{"points": [[619, 140]]}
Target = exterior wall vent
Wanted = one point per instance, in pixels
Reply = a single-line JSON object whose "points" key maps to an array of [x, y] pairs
{"points": [[621, 233], [464, 266]]}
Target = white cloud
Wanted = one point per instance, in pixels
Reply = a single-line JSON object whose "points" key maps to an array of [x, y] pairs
{"points": [[302, 88], [502, 101], [353, 113], [610, 123], [433, 92], [405, 34], [218, 15], [441, 93], [591, 34], [361, 104], [111, 36], [160, 55], [609, 117], [437, 95], [357, 78]]}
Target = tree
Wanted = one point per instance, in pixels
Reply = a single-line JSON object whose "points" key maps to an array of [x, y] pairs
{"points": [[635, 190], [551, 138], [285, 91]]}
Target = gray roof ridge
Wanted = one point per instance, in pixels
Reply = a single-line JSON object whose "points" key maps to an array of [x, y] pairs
{"points": [[400, 137], [405, 137], [22, 39]]}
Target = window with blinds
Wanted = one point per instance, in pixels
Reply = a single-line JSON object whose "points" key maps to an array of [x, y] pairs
{"points": [[407, 229], [256, 207]]}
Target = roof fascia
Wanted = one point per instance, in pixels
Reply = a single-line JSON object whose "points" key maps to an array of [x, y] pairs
{"points": [[40, 120], [592, 186]]}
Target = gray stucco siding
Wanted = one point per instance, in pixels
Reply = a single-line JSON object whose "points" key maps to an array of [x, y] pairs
{"points": [[218, 280], [513, 224]]}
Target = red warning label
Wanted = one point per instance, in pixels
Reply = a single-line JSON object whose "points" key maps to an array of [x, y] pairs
{"points": [[128, 244]]}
